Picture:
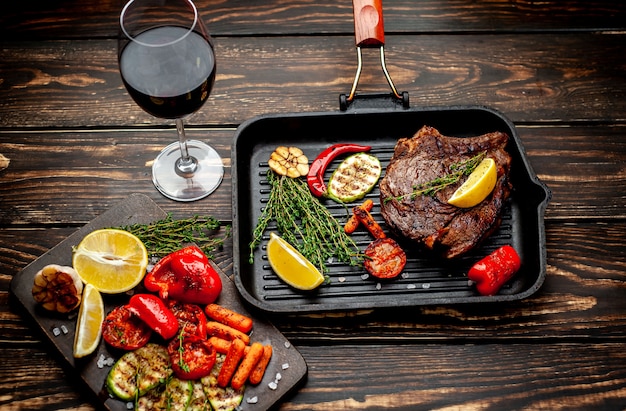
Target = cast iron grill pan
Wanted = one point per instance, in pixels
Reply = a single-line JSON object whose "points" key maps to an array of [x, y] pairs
{"points": [[426, 280]]}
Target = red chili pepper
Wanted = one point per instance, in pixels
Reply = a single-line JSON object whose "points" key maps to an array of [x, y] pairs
{"points": [[186, 276], [493, 271], [152, 310], [315, 178]]}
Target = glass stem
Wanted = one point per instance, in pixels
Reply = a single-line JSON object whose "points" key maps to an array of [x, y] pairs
{"points": [[186, 165]]}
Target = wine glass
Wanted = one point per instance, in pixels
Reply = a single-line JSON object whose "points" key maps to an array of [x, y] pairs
{"points": [[167, 64]]}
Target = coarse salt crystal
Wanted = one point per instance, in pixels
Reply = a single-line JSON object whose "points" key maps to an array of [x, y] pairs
{"points": [[130, 405], [279, 377], [287, 344], [272, 385], [378, 286], [404, 275], [110, 361], [342, 279], [365, 276], [426, 286], [64, 329], [285, 366], [56, 331], [411, 286], [252, 400]]}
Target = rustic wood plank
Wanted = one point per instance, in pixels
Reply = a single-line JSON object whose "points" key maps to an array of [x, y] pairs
{"points": [[117, 162], [425, 376], [571, 78], [97, 19]]}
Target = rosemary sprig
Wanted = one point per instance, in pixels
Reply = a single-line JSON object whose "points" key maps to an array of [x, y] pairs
{"points": [[167, 235], [457, 170], [304, 223]]}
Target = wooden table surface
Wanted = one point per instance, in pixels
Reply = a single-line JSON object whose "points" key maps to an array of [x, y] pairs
{"points": [[76, 145]]}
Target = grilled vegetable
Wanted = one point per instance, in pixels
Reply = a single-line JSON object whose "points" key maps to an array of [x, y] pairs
{"points": [[221, 399], [152, 310], [191, 319], [368, 221], [315, 177], [186, 276], [191, 357], [355, 177], [289, 161], [353, 222], [385, 258], [229, 317], [259, 369], [57, 288], [175, 395], [124, 330], [493, 271], [139, 371]]}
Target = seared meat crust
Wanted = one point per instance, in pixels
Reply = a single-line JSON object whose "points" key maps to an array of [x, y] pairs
{"points": [[430, 220]]}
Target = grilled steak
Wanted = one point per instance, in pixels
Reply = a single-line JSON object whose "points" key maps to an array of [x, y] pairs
{"points": [[429, 220]]}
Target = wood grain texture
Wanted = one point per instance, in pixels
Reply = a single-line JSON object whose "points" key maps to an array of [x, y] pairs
{"points": [[574, 76]]}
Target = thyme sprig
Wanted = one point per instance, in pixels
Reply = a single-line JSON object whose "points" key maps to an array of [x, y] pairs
{"points": [[457, 170], [167, 235], [304, 223]]}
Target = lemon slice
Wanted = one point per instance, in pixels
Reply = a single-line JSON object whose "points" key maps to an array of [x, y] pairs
{"points": [[113, 261], [477, 186], [291, 266], [89, 324]]}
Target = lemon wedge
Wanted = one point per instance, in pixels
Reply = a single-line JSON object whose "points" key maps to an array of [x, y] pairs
{"points": [[477, 186], [291, 266], [89, 324], [113, 261]]}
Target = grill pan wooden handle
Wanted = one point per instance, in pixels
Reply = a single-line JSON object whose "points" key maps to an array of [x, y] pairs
{"points": [[369, 29]]}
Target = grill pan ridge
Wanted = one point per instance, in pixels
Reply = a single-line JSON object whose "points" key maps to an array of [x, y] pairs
{"points": [[426, 280]]}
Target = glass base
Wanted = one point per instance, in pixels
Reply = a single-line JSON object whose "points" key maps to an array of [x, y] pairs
{"points": [[191, 186]]}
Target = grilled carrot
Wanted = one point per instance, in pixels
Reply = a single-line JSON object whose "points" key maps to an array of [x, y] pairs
{"points": [[353, 222], [234, 355], [247, 365], [259, 369], [229, 317], [368, 221], [221, 345], [217, 329]]}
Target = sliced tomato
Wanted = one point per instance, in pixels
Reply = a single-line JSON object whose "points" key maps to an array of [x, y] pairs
{"points": [[191, 319], [384, 258], [191, 357], [124, 330]]}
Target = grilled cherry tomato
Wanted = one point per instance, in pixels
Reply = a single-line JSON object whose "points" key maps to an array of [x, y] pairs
{"points": [[384, 258], [191, 357], [185, 275], [191, 319], [124, 330]]}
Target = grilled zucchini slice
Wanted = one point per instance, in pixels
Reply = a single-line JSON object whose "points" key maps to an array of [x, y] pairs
{"points": [[355, 177], [173, 396], [221, 399], [139, 371]]}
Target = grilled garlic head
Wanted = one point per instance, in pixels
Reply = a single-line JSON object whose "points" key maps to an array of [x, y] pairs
{"points": [[58, 288], [289, 161]]}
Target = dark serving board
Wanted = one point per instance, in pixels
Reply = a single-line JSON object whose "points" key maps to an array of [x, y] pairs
{"points": [[141, 209], [426, 280]]}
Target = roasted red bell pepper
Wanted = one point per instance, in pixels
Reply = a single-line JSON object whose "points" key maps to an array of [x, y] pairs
{"points": [[493, 271], [186, 276], [152, 310], [315, 177], [191, 319]]}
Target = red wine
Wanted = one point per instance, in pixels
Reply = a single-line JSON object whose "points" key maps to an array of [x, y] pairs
{"points": [[171, 80]]}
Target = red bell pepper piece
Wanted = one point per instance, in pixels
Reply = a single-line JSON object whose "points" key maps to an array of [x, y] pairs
{"points": [[152, 310], [192, 358], [186, 276], [493, 271], [315, 177], [191, 319]]}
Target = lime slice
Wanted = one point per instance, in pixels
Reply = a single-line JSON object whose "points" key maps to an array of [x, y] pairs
{"points": [[291, 266], [477, 186]]}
